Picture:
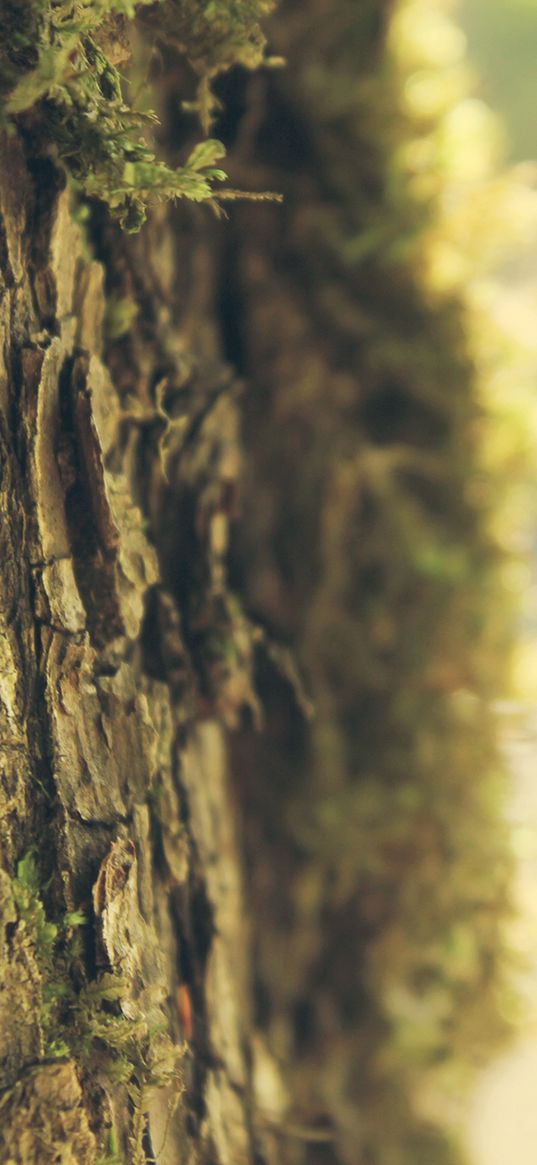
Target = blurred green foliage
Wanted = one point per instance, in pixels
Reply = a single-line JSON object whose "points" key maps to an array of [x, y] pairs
{"points": [[502, 36]]}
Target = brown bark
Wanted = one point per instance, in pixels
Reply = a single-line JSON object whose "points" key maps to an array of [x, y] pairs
{"points": [[108, 772], [131, 1033]]}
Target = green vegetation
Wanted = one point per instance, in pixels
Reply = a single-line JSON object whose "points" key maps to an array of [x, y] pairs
{"points": [[84, 1018], [502, 37], [120, 316], [215, 36], [380, 824], [59, 77]]}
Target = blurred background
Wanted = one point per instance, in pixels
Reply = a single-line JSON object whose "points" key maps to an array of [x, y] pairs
{"points": [[502, 43], [502, 46], [387, 332]]}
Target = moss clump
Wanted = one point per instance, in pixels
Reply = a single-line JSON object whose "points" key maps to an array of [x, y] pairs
{"points": [[215, 36], [59, 76], [83, 1018]]}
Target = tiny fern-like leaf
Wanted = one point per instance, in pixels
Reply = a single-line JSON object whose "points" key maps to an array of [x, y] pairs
{"points": [[59, 68]]}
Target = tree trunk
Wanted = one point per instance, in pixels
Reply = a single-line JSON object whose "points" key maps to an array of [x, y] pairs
{"points": [[114, 769], [144, 977]]}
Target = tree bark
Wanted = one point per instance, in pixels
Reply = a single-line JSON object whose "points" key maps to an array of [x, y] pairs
{"points": [[194, 868], [108, 772]]}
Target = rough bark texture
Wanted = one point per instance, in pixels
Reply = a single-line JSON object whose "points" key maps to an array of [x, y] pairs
{"points": [[134, 1021], [129, 814]]}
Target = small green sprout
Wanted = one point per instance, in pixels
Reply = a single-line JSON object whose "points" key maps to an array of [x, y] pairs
{"points": [[59, 73], [86, 1021]]}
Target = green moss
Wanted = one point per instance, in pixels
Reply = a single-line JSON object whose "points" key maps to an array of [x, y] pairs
{"points": [[112, 1155], [26, 890], [59, 73], [83, 1018], [120, 315], [216, 35]]}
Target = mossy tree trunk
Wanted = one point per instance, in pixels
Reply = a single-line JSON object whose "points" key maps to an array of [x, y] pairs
{"points": [[125, 1032], [134, 367]]}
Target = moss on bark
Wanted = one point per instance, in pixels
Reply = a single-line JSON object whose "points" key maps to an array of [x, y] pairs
{"points": [[378, 871]]}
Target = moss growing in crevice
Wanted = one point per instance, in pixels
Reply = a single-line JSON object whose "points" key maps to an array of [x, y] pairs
{"points": [[61, 79], [85, 1018]]}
